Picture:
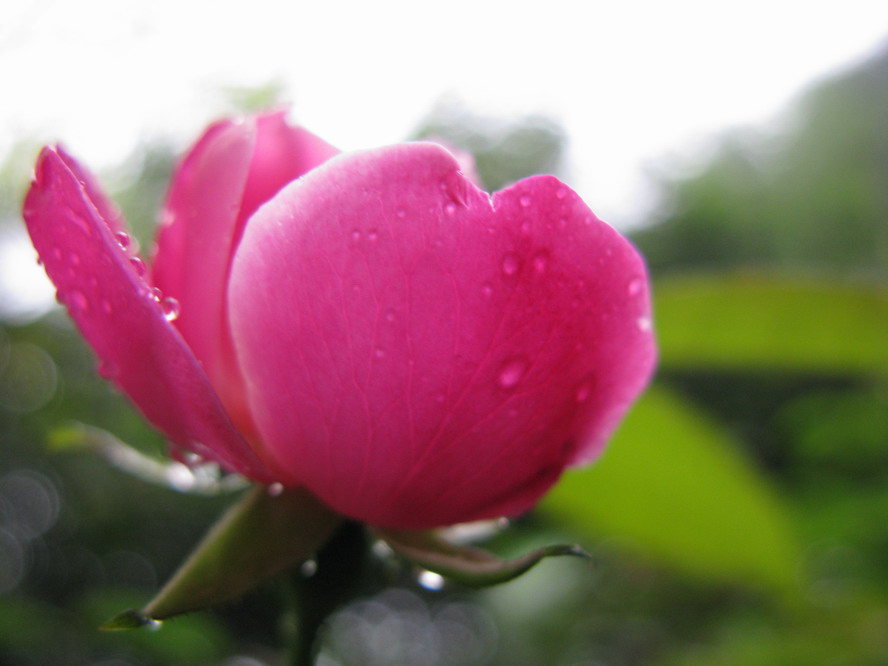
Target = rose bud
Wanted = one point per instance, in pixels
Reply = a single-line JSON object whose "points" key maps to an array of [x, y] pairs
{"points": [[371, 326]]}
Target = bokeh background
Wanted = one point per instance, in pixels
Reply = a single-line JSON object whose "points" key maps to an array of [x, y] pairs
{"points": [[740, 515]]}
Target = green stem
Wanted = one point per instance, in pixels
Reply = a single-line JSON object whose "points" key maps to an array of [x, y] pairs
{"points": [[341, 574]]}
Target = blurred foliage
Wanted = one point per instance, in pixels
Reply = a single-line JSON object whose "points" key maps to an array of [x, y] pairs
{"points": [[740, 517]]}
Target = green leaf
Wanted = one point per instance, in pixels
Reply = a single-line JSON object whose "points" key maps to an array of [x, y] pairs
{"points": [[260, 536], [743, 321], [470, 566], [675, 486]]}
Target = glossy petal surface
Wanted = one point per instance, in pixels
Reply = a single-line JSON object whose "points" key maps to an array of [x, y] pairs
{"points": [[113, 307], [419, 353], [228, 174]]}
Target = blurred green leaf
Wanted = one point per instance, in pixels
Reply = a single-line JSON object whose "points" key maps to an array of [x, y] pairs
{"points": [[674, 485], [742, 321]]}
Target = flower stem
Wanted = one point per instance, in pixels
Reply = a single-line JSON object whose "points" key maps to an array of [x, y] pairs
{"points": [[340, 575]]}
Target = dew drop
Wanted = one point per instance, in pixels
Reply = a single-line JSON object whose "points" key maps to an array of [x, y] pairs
{"points": [[525, 200], [635, 286], [430, 580], [77, 300], [138, 265], [56, 253], [525, 227], [390, 315], [561, 192], [584, 391], [450, 208], [308, 568], [372, 235], [510, 264], [379, 353], [401, 213], [540, 262], [644, 324], [487, 289], [511, 373], [170, 308], [155, 294], [75, 259], [275, 489], [123, 239], [356, 235]]}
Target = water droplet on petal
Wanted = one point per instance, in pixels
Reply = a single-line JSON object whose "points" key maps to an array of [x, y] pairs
{"points": [[56, 253], [106, 306], [450, 208], [155, 294], [107, 369], [540, 261], [76, 299], [138, 265], [390, 316], [561, 192], [525, 227], [584, 391], [308, 568], [524, 200], [372, 235], [170, 308], [635, 286], [401, 213], [511, 373], [644, 324], [487, 289], [123, 239], [510, 264], [379, 353], [356, 235], [275, 489], [75, 258]]}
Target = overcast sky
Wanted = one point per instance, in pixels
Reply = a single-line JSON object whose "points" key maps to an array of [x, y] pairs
{"points": [[632, 82]]}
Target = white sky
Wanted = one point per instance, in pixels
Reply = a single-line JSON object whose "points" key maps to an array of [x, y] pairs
{"points": [[630, 81]]}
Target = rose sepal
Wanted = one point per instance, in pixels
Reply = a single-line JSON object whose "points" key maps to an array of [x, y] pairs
{"points": [[468, 565], [263, 534]]}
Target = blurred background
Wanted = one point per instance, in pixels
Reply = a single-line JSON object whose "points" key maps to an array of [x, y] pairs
{"points": [[740, 515]]}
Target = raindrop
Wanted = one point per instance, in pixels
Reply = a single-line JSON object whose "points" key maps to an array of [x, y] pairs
{"points": [[487, 289], [450, 208], [584, 391], [155, 294], [401, 213], [372, 235], [511, 373], [356, 235], [78, 300], [561, 192], [540, 262], [510, 264], [644, 324], [123, 239], [390, 315], [524, 200], [525, 227], [106, 306], [430, 580], [56, 253], [75, 258], [138, 265], [170, 308], [635, 286], [378, 352]]}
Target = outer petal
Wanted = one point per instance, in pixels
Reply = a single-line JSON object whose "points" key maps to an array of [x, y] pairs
{"points": [[231, 171], [114, 309], [420, 354]]}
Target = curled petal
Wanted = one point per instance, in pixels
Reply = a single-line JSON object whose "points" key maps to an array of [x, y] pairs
{"points": [[120, 316], [429, 354], [230, 172]]}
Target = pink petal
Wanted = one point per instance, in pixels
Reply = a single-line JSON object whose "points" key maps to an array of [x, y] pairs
{"points": [[420, 354], [231, 171], [114, 309]]}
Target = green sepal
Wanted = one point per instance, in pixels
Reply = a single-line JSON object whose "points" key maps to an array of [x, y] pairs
{"points": [[129, 619], [468, 565], [260, 536]]}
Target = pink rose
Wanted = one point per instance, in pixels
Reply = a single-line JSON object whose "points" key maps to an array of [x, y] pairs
{"points": [[372, 326]]}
